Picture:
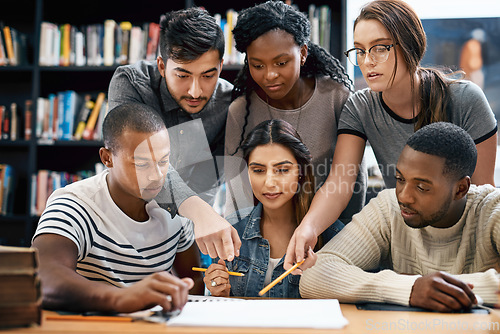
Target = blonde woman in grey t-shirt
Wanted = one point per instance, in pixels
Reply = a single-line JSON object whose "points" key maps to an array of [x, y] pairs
{"points": [[389, 43]]}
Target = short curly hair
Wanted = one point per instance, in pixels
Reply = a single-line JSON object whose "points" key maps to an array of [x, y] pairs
{"points": [[448, 141], [129, 116]]}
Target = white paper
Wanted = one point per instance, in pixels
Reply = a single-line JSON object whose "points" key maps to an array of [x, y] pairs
{"points": [[283, 313]]}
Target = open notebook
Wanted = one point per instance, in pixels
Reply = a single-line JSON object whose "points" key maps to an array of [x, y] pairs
{"points": [[283, 313]]}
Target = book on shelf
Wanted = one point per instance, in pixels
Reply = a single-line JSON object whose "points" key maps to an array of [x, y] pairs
{"points": [[72, 102], [80, 47], [2, 168], [33, 195], [83, 116], [9, 45], [92, 37], [53, 115], [14, 122], [153, 41], [109, 42], [124, 31], [325, 26], [135, 46], [88, 133], [20, 290], [3, 52], [42, 183], [50, 125], [2, 115], [59, 114], [5, 131], [40, 115], [227, 23], [8, 186], [64, 54], [320, 19], [50, 39], [100, 120], [72, 44], [28, 116]]}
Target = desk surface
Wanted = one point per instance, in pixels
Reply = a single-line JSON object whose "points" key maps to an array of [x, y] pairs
{"points": [[359, 322]]}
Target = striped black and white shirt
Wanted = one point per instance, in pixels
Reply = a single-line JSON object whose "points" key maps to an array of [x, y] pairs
{"points": [[111, 246]]}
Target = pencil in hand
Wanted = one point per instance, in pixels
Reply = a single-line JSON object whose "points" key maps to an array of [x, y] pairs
{"points": [[277, 280], [233, 273]]}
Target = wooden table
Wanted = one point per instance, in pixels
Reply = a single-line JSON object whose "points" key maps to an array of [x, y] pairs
{"points": [[359, 322]]}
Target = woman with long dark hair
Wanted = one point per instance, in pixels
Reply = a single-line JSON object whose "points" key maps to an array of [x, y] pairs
{"points": [[282, 182]]}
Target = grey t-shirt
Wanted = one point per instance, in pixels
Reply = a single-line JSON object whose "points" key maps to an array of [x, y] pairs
{"points": [[366, 115]]}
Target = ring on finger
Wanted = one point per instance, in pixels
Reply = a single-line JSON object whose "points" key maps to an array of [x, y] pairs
{"points": [[212, 283]]}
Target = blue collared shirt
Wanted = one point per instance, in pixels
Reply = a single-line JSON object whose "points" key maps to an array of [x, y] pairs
{"points": [[254, 258]]}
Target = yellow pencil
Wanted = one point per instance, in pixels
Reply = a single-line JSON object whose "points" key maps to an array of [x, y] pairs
{"points": [[229, 272], [88, 318], [277, 280]]}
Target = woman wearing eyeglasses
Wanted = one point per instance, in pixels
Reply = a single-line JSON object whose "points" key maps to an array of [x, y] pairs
{"points": [[402, 96]]}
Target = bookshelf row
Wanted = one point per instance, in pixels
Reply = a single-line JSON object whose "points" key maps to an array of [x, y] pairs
{"points": [[43, 183], [113, 43], [45, 138], [65, 115]]}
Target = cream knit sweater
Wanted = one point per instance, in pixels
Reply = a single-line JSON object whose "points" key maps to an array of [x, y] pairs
{"points": [[378, 237]]}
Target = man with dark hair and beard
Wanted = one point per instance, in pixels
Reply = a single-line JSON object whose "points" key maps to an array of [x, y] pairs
{"points": [[436, 235], [185, 88]]}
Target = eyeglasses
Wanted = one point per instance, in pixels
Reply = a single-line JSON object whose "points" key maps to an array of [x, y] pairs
{"points": [[379, 54]]}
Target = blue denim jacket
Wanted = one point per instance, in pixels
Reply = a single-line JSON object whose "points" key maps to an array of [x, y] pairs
{"points": [[254, 258]]}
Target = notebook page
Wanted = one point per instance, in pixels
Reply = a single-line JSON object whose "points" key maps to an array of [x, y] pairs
{"points": [[314, 313]]}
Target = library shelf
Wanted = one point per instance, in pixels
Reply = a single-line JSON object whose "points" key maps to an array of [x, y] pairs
{"points": [[31, 81]]}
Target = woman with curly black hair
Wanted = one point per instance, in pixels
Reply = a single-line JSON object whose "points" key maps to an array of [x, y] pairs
{"points": [[285, 76]]}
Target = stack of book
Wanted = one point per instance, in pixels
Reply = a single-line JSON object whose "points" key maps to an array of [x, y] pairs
{"points": [[20, 291]]}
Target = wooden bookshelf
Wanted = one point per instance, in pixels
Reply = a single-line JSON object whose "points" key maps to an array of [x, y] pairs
{"points": [[30, 81]]}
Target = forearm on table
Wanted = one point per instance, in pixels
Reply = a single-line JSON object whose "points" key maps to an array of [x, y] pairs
{"points": [[350, 284], [65, 289], [485, 284]]}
